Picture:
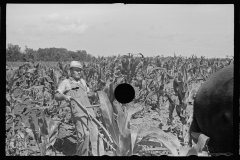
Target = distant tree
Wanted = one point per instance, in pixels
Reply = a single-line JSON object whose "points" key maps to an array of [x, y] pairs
{"points": [[13, 53], [29, 54]]}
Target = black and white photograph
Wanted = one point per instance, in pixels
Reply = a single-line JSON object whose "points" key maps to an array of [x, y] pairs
{"points": [[119, 79]]}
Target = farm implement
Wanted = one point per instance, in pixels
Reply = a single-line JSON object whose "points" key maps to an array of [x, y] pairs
{"points": [[123, 141]]}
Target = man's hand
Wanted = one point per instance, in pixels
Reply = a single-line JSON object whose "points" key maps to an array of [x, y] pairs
{"points": [[67, 98], [92, 94]]}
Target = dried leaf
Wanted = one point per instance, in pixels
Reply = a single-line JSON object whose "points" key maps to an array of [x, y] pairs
{"points": [[203, 154], [150, 143], [202, 142], [169, 140], [185, 151], [169, 144]]}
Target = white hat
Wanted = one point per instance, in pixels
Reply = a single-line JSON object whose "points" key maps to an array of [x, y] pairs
{"points": [[75, 64]]}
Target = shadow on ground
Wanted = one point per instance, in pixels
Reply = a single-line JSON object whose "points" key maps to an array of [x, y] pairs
{"points": [[66, 146]]}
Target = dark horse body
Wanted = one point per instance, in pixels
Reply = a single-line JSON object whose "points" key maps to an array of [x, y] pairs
{"points": [[213, 111]]}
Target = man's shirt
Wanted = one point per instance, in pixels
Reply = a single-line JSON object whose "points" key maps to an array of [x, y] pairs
{"points": [[65, 86]]}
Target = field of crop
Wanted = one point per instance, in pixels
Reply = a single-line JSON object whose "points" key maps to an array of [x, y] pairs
{"points": [[157, 119]]}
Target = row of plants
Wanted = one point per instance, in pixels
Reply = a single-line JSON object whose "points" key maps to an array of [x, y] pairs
{"points": [[35, 122]]}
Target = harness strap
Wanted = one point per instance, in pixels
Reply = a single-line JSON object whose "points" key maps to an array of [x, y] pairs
{"points": [[76, 85]]}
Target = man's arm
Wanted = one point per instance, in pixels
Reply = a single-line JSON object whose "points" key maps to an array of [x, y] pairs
{"points": [[60, 97], [63, 86]]}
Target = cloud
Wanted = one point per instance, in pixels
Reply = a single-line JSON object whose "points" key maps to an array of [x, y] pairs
{"points": [[50, 27], [72, 28], [65, 24], [106, 23], [152, 27], [33, 32], [163, 36], [29, 38], [187, 40], [53, 18], [154, 35], [111, 34], [139, 33]]}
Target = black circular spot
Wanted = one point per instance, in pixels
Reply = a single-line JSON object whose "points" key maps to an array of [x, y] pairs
{"points": [[124, 93]]}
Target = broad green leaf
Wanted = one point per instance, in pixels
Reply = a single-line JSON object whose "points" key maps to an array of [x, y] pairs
{"points": [[107, 113], [169, 140], [53, 135], [134, 134], [195, 134], [97, 147], [162, 138], [129, 112], [121, 120], [21, 134], [33, 128], [170, 136], [202, 142], [185, 151], [149, 143], [174, 139], [136, 149], [51, 129], [133, 68], [125, 143], [169, 144], [10, 74], [125, 63], [94, 119], [178, 110], [153, 93], [42, 126], [203, 154]]}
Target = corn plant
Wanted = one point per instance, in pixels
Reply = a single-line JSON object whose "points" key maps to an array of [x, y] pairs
{"points": [[128, 142], [33, 117]]}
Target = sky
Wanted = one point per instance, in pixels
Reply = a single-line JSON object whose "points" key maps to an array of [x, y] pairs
{"points": [[112, 29]]}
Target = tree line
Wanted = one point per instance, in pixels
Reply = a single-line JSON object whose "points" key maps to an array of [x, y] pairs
{"points": [[14, 54]]}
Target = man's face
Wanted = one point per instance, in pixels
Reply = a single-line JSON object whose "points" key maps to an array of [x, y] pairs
{"points": [[76, 73]]}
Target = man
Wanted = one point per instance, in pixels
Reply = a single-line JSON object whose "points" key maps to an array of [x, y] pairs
{"points": [[76, 88]]}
